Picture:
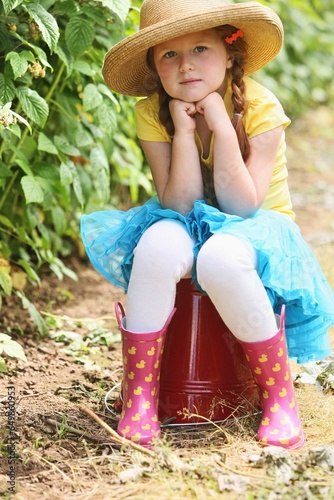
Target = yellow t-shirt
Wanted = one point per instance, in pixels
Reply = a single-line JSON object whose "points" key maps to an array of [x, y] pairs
{"points": [[263, 112]]}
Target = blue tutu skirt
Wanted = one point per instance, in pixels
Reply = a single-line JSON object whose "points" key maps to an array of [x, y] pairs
{"points": [[287, 266]]}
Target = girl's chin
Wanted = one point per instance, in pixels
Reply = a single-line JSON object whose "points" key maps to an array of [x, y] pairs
{"points": [[190, 97]]}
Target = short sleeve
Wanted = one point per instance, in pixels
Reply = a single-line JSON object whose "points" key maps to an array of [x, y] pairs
{"points": [[264, 111], [148, 125]]}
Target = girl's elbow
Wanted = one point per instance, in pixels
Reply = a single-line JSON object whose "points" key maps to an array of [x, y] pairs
{"points": [[179, 205], [243, 210], [244, 213], [249, 210]]}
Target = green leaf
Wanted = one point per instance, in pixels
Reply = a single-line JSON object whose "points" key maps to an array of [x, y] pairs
{"points": [[25, 166], [7, 89], [34, 314], [27, 55], [66, 270], [69, 175], [91, 97], [63, 145], [47, 3], [59, 220], [45, 144], [6, 222], [45, 185], [9, 5], [15, 130], [48, 170], [118, 7], [65, 56], [5, 280], [45, 22], [5, 42], [3, 366], [84, 68], [41, 55], [19, 62], [34, 106], [83, 137], [99, 159], [5, 171], [18, 151], [59, 268], [78, 189], [106, 117], [107, 92], [11, 348], [19, 65], [29, 270], [32, 190], [100, 163], [79, 35], [66, 174], [69, 7]]}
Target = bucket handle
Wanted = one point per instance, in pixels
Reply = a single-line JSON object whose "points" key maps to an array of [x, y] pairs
{"points": [[119, 313]]}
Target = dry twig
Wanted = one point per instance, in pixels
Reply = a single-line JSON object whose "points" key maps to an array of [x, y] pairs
{"points": [[77, 432], [114, 434]]}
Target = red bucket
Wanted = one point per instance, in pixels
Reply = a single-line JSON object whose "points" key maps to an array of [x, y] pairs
{"points": [[204, 369]]}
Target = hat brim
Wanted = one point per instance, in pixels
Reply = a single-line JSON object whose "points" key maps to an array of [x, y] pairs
{"points": [[125, 68]]}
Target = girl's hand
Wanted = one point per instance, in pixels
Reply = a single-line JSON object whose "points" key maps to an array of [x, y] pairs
{"points": [[183, 115], [213, 109]]}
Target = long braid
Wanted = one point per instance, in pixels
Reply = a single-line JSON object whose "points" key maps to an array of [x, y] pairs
{"points": [[164, 113], [238, 100], [164, 98], [238, 51]]}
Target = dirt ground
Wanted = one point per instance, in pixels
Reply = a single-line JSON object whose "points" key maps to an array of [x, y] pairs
{"points": [[61, 452]]}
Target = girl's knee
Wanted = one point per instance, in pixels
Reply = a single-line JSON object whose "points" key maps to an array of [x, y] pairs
{"points": [[165, 237], [165, 246], [224, 257]]}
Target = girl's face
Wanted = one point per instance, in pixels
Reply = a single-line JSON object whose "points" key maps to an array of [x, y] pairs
{"points": [[192, 66]]}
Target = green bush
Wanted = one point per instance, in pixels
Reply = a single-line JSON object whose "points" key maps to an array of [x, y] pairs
{"points": [[302, 75], [67, 143]]}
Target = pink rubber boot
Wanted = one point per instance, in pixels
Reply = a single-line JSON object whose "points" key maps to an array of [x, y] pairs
{"points": [[280, 424], [142, 354]]}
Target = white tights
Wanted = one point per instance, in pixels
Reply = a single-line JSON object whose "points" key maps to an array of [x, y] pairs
{"points": [[226, 270]]}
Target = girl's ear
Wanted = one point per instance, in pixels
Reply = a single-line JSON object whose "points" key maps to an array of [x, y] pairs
{"points": [[230, 61]]}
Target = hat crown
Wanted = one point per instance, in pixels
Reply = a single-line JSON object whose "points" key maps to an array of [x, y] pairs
{"points": [[158, 11]]}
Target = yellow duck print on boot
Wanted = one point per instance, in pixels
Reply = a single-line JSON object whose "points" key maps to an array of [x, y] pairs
{"points": [[280, 424], [140, 389]]}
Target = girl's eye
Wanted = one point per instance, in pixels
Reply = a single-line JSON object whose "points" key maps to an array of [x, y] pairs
{"points": [[200, 48], [170, 54]]}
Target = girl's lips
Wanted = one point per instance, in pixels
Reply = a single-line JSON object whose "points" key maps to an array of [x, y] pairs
{"points": [[189, 82]]}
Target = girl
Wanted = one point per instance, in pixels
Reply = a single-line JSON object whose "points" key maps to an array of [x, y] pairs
{"points": [[214, 140]]}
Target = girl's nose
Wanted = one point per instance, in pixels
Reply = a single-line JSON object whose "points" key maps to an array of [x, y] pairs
{"points": [[186, 65]]}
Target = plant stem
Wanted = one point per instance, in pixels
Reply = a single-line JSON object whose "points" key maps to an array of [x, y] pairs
{"points": [[8, 189], [55, 83]]}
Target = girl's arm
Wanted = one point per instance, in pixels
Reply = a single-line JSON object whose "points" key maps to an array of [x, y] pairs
{"points": [[240, 189], [176, 167]]}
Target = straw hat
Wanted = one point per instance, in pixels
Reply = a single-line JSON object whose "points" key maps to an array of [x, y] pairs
{"points": [[125, 68]]}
